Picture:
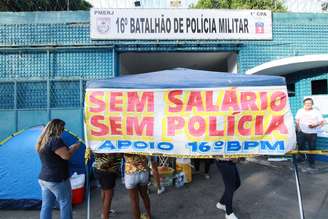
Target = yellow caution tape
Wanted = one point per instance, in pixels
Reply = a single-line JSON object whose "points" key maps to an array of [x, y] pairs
{"points": [[316, 152], [11, 136], [196, 156]]}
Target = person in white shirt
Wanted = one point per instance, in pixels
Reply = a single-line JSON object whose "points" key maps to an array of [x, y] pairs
{"points": [[308, 123]]}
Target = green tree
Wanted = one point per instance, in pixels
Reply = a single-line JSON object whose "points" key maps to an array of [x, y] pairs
{"points": [[273, 5], [43, 5]]}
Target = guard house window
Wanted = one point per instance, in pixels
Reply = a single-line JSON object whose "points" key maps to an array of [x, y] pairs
{"points": [[319, 87], [291, 90], [137, 3]]}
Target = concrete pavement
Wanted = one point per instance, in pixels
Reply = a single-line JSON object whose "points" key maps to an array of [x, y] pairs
{"points": [[268, 191]]}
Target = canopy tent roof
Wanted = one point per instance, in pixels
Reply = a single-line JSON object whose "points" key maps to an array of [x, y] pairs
{"points": [[186, 78]]}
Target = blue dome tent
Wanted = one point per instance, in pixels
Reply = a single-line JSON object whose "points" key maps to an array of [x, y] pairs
{"points": [[20, 167]]}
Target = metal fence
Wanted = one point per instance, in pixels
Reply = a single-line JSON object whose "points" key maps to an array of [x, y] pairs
{"points": [[47, 57]]}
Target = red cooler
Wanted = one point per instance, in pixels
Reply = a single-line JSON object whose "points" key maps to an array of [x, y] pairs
{"points": [[77, 183]]}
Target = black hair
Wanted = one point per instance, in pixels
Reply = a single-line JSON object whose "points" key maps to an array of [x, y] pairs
{"points": [[308, 98]]}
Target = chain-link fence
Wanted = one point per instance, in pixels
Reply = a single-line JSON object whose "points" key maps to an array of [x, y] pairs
{"points": [[42, 94], [39, 80]]}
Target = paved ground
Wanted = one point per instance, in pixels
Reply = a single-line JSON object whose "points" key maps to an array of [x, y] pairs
{"points": [[268, 192]]}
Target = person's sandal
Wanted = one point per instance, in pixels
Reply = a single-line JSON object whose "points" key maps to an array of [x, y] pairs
{"points": [[161, 190], [144, 216]]}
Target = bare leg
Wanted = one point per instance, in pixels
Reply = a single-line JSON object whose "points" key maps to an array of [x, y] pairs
{"points": [[145, 198], [134, 197], [156, 174], [107, 196]]}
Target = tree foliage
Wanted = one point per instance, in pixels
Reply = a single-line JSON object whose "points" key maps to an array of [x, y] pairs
{"points": [[43, 5], [324, 6], [273, 5]]}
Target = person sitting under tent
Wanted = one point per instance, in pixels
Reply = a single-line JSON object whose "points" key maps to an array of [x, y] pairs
{"points": [[136, 179], [54, 176], [106, 170], [207, 165]]}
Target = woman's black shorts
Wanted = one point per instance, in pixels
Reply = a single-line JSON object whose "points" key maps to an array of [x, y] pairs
{"points": [[105, 179]]}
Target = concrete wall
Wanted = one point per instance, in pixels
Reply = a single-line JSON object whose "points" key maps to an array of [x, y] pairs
{"points": [[47, 57]]}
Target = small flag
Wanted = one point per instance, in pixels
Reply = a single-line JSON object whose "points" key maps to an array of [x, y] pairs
{"points": [[259, 27]]}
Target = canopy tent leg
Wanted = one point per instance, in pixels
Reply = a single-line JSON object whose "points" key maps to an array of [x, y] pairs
{"points": [[298, 187], [88, 191]]}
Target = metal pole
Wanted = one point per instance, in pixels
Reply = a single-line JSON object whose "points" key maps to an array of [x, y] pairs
{"points": [[88, 191], [16, 105], [298, 187], [67, 5], [48, 85], [81, 106], [87, 172]]}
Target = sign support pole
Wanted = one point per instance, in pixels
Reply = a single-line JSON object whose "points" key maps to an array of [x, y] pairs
{"points": [[87, 169], [298, 187], [88, 192]]}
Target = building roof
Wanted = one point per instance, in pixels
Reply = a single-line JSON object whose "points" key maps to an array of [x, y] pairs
{"points": [[291, 64]]}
